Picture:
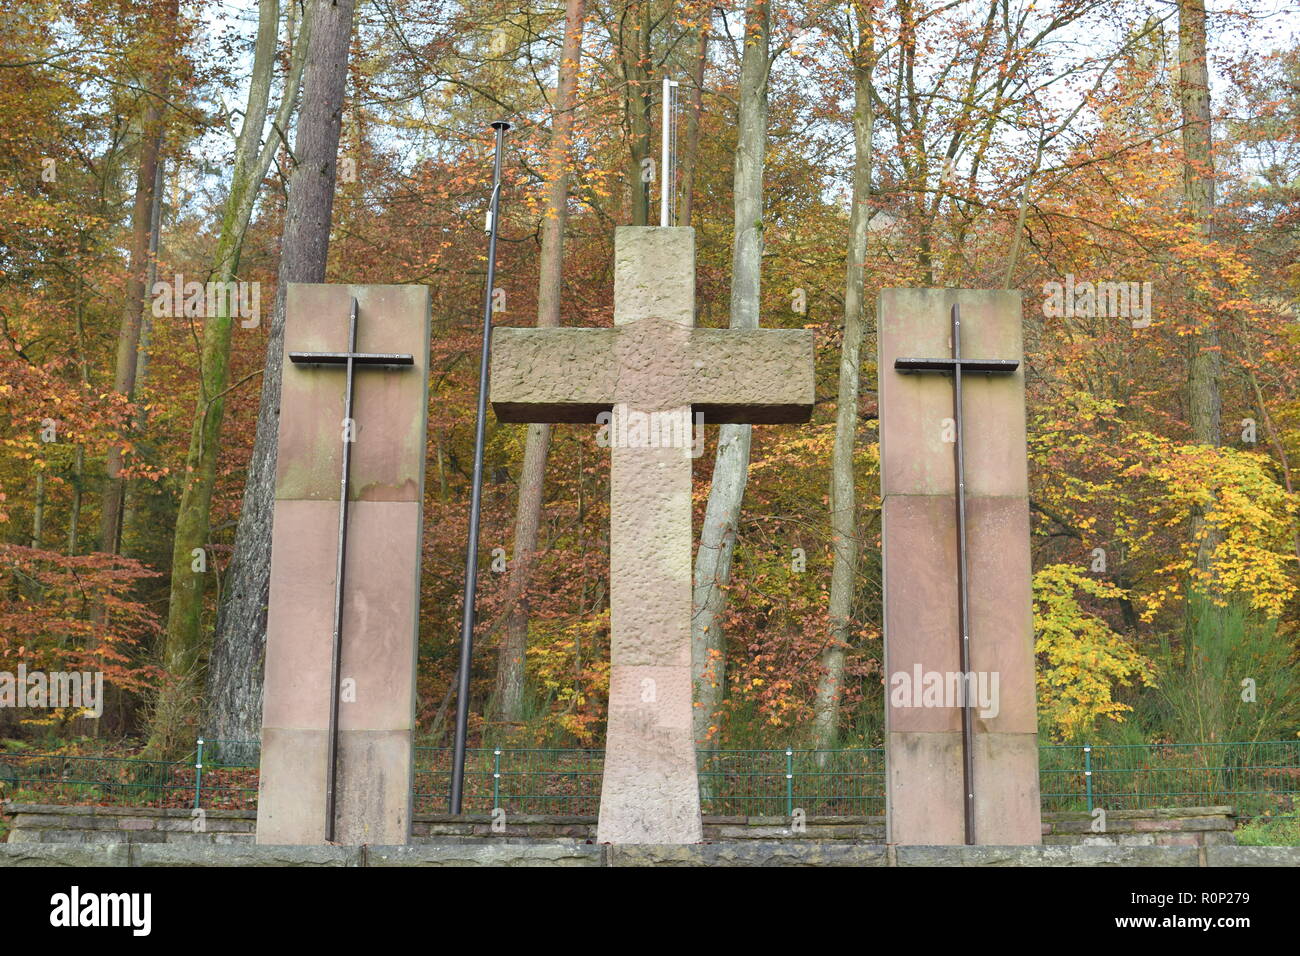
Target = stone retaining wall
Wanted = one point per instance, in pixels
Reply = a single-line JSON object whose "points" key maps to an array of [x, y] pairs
{"points": [[43, 823], [737, 853]]}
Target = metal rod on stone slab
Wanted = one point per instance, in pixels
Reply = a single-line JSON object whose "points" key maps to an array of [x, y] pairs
{"points": [[476, 494], [336, 647], [963, 595]]}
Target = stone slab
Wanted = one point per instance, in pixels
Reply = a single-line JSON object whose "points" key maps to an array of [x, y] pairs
{"points": [[920, 554], [654, 274], [749, 853], [175, 854], [1006, 789], [382, 574], [755, 853], [920, 566], [380, 614], [1161, 856], [914, 323], [1252, 856], [649, 788], [923, 793], [77, 855], [482, 853], [388, 452]]}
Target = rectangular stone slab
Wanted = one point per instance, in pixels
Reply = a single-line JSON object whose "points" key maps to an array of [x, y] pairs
{"points": [[924, 795], [914, 458], [918, 533], [382, 573], [311, 398]]}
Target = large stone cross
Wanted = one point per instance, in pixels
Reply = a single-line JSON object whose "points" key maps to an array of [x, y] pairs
{"points": [[652, 370]]}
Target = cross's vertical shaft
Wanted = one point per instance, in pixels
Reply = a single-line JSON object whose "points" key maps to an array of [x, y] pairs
{"points": [[963, 593], [336, 648]]}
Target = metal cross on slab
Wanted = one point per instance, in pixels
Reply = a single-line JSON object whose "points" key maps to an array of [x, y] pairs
{"points": [[348, 361], [956, 366]]}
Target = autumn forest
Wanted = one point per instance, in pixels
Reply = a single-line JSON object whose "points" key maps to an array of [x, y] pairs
{"points": [[1131, 167]]}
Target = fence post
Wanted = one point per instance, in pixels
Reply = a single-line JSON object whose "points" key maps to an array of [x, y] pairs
{"points": [[789, 782], [1087, 773], [496, 778], [198, 774]]}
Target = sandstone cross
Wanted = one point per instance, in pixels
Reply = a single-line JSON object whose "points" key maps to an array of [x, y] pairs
{"points": [[960, 721], [652, 370], [339, 702]]}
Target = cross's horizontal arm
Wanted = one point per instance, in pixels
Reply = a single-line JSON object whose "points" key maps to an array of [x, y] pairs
{"points": [[947, 365], [760, 376], [358, 358]]}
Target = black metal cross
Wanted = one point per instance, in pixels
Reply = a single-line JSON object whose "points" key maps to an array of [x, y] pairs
{"points": [[348, 361], [955, 366]]}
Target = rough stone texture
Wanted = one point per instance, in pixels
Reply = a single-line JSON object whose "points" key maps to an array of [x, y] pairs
{"points": [[924, 793], [750, 853], [653, 361], [40, 823], [761, 376], [46, 854], [1252, 856], [989, 855], [381, 601], [1172, 826], [484, 853], [755, 853], [168, 854]]}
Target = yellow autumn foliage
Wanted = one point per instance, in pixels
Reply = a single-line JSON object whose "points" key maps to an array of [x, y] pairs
{"points": [[1081, 660]]}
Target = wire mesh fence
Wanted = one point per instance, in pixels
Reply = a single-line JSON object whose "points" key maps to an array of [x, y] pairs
{"points": [[1255, 777]]}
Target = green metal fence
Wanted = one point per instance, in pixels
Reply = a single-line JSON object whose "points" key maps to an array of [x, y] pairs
{"points": [[1256, 778], [221, 773], [732, 782]]}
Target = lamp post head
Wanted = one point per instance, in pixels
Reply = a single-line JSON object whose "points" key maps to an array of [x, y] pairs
{"points": [[500, 124]]}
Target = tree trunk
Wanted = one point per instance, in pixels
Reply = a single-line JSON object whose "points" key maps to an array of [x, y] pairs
{"points": [[635, 43], [234, 684], [843, 496], [1204, 362], [731, 466], [176, 710], [38, 510], [128, 337], [695, 109], [131, 496], [79, 458], [510, 660]]}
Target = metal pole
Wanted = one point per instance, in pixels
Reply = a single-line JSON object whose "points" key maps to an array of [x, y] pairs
{"points": [[666, 175], [789, 782], [476, 495], [963, 597], [336, 649], [198, 774], [1087, 773]]}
